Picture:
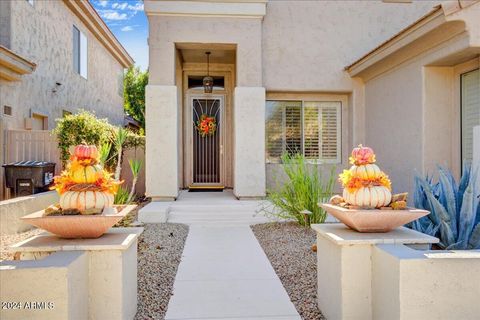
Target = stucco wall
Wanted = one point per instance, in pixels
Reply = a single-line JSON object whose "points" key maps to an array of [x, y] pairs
{"points": [[5, 23], [304, 47], [165, 31], [413, 115], [42, 33], [307, 45]]}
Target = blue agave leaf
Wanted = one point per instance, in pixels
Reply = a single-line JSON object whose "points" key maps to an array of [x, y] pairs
{"points": [[453, 246], [474, 242], [434, 214], [446, 234], [431, 229], [475, 178], [419, 197], [462, 185], [467, 217], [447, 198]]}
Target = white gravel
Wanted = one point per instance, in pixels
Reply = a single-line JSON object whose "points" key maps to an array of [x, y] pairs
{"points": [[160, 249], [9, 239], [288, 246]]}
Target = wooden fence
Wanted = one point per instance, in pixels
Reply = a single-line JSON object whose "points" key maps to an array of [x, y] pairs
{"points": [[23, 145], [41, 145]]}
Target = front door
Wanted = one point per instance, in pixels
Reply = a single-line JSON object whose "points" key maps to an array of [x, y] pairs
{"points": [[206, 141]]}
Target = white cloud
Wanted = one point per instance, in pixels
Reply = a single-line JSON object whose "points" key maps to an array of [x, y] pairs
{"points": [[136, 7], [102, 3], [127, 28], [120, 6], [113, 15]]}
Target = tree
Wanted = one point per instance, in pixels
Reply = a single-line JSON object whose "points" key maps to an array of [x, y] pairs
{"points": [[134, 84]]}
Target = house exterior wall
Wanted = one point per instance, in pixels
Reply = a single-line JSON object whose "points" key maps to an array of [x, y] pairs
{"points": [[304, 47], [42, 33], [413, 118]]}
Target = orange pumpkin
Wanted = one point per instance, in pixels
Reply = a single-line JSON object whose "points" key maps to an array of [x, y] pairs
{"points": [[84, 200], [86, 174], [84, 151], [368, 197], [362, 155]]}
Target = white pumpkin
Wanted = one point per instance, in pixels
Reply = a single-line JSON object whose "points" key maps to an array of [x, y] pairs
{"points": [[84, 200], [366, 171], [369, 197]]}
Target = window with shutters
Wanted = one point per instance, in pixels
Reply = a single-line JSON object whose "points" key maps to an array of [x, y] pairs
{"points": [[470, 104], [311, 128], [80, 52]]}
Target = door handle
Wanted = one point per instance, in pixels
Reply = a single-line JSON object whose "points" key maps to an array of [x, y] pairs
{"points": [[221, 149]]}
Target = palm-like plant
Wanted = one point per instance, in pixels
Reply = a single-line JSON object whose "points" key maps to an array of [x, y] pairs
{"points": [[135, 167], [455, 209], [119, 141]]}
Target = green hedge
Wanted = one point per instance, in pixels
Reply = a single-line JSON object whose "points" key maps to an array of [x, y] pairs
{"points": [[85, 127]]}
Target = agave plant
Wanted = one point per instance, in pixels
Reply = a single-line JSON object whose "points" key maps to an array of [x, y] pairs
{"points": [[455, 208]]}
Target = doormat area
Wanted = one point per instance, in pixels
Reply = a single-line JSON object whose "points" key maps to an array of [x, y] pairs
{"points": [[205, 190]]}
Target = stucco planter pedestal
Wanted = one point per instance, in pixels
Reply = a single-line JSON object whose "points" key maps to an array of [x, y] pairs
{"points": [[373, 220], [344, 267], [77, 226], [81, 278]]}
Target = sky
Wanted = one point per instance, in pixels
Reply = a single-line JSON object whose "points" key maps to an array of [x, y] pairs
{"points": [[128, 22]]}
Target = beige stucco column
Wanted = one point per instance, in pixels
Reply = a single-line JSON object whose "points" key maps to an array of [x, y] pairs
{"points": [[161, 126], [249, 166]]}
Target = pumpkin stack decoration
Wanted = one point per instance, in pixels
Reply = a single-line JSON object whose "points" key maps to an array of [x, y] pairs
{"points": [[365, 185], [85, 187]]}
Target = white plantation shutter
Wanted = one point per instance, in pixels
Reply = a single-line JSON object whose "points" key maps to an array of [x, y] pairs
{"points": [[311, 128], [470, 82], [331, 133], [274, 130], [293, 128], [311, 132]]}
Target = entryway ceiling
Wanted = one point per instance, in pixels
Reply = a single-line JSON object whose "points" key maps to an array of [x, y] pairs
{"points": [[226, 56]]}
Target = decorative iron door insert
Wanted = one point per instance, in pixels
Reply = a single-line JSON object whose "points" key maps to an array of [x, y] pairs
{"points": [[207, 141]]}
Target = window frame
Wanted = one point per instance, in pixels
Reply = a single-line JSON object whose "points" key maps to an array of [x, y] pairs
{"points": [[462, 151], [458, 70], [82, 58], [342, 121]]}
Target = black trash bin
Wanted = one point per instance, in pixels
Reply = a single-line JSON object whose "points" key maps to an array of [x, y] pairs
{"points": [[29, 177]]}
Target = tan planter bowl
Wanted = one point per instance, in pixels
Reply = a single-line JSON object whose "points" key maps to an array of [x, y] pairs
{"points": [[78, 226], [376, 220]]}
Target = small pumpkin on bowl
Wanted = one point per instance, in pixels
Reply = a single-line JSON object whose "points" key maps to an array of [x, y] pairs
{"points": [[84, 151], [365, 185], [86, 200]]}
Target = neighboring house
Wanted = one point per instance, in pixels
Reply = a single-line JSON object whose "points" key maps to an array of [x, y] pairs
{"points": [[281, 83], [56, 57], [68, 59]]}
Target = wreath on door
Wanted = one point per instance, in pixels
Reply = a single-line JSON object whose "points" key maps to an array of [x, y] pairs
{"points": [[206, 126]]}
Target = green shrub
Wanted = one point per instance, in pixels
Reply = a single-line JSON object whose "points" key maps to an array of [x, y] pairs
{"points": [[121, 197], [82, 127], [85, 127], [303, 189]]}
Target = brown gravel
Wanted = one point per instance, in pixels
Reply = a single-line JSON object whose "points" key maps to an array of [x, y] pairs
{"points": [[9, 239], [160, 249], [288, 247]]}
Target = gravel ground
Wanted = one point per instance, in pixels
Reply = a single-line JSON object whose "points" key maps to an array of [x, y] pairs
{"points": [[9, 239], [160, 249], [289, 248]]}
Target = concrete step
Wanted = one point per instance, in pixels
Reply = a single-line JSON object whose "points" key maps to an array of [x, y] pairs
{"points": [[217, 208]]}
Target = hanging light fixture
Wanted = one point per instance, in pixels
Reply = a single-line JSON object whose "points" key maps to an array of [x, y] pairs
{"points": [[208, 81]]}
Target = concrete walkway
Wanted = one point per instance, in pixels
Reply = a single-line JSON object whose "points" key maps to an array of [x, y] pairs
{"points": [[224, 273]]}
